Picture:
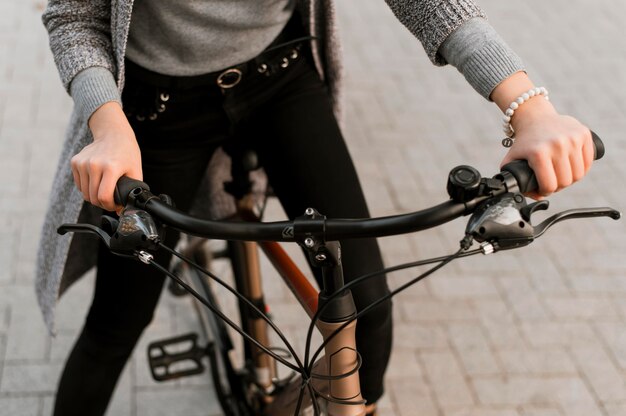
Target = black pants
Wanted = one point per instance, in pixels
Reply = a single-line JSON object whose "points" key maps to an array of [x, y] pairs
{"points": [[288, 120]]}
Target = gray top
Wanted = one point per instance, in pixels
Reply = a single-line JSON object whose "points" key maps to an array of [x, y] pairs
{"points": [[90, 38], [475, 48], [197, 37]]}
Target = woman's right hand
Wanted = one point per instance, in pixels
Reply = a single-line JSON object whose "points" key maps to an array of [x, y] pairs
{"points": [[112, 154]]}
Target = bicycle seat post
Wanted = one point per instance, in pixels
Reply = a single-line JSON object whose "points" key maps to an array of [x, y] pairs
{"points": [[243, 161]]}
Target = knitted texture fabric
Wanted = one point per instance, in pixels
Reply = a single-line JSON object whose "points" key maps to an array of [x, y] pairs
{"points": [[434, 20], [94, 34]]}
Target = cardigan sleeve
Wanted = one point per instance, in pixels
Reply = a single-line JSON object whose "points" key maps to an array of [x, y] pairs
{"points": [[457, 32], [481, 55], [93, 87], [432, 21], [80, 36]]}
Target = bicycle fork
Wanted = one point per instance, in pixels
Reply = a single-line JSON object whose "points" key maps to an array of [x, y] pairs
{"points": [[334, 376], [338, 327]]}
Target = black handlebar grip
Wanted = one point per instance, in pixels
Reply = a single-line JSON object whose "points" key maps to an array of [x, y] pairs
{"points": [[598, 146], [124, 187], [525, 177]]}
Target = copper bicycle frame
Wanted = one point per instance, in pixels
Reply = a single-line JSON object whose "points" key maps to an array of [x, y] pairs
{"points": [[341, 349]]}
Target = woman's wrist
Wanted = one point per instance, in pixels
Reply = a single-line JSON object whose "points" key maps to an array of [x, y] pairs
{"points": [[532, 109], [512, 88], [108, 118]]}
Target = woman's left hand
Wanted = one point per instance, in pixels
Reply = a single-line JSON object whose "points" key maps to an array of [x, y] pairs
{"points": [[558, 148]]}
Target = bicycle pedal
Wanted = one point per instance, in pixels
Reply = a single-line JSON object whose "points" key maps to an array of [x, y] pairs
{"points": [[176, 357], [176, 289]]}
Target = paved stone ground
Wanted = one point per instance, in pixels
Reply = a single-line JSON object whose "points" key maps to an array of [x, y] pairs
{"points": [[537, 332]]}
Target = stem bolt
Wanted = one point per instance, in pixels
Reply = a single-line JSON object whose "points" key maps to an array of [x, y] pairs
{"points": [[309, 211], [309, 242], [320, 257]]}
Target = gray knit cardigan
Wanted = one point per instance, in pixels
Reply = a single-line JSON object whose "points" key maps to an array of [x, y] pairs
{"points": [[85, 34]]}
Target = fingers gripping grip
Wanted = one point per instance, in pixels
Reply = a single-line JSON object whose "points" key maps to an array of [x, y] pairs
{"points": [[525, 177], [124, 187]]}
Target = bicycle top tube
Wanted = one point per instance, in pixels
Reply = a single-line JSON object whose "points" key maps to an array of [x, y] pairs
{"points": [[515, 177]]}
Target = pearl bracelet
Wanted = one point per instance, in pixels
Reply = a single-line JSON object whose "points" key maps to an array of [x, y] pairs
{"points": [[508, 114]]}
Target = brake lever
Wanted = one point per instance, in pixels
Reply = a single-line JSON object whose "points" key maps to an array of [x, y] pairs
{"points": [[86, 229], [499, 222], [133, 234], [575, 213], [504, 222]]}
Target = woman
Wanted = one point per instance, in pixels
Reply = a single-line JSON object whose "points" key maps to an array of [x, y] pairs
{"points": [[196, 76]]}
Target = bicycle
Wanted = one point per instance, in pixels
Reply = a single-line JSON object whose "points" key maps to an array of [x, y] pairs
{"points": [[500, 220]]}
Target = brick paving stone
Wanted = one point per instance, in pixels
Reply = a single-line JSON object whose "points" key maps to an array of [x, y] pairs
{"points": [[471, 344], [615, 338], [25, 272], [588, 283], [26, 340], [470, 287], [581, 308], [526, 304], [411, 397], [620, 304], [404, 365], [27, 247], [447, 380], [4, 318], [479, 361], [483, 412], [419, 336], [544, 334], [431, 310], [536, 361], [60, 345], [618, 409], [467, 335], [188, 402], [19, 406], [29, 378], [570, 393], [385, 406], [601, 372], [72, 310], [547, 278], [3, 346], [597, 262], [499, 322], [48, 405], [7, 255], [21, 98], [575, 398], [540, 411], [123, 401]]}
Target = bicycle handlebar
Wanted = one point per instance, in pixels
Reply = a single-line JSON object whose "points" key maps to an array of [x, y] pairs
{"points": [[332, 229]]}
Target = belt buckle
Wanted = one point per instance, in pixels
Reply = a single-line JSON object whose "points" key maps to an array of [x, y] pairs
{"points": [[229, 78]]}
